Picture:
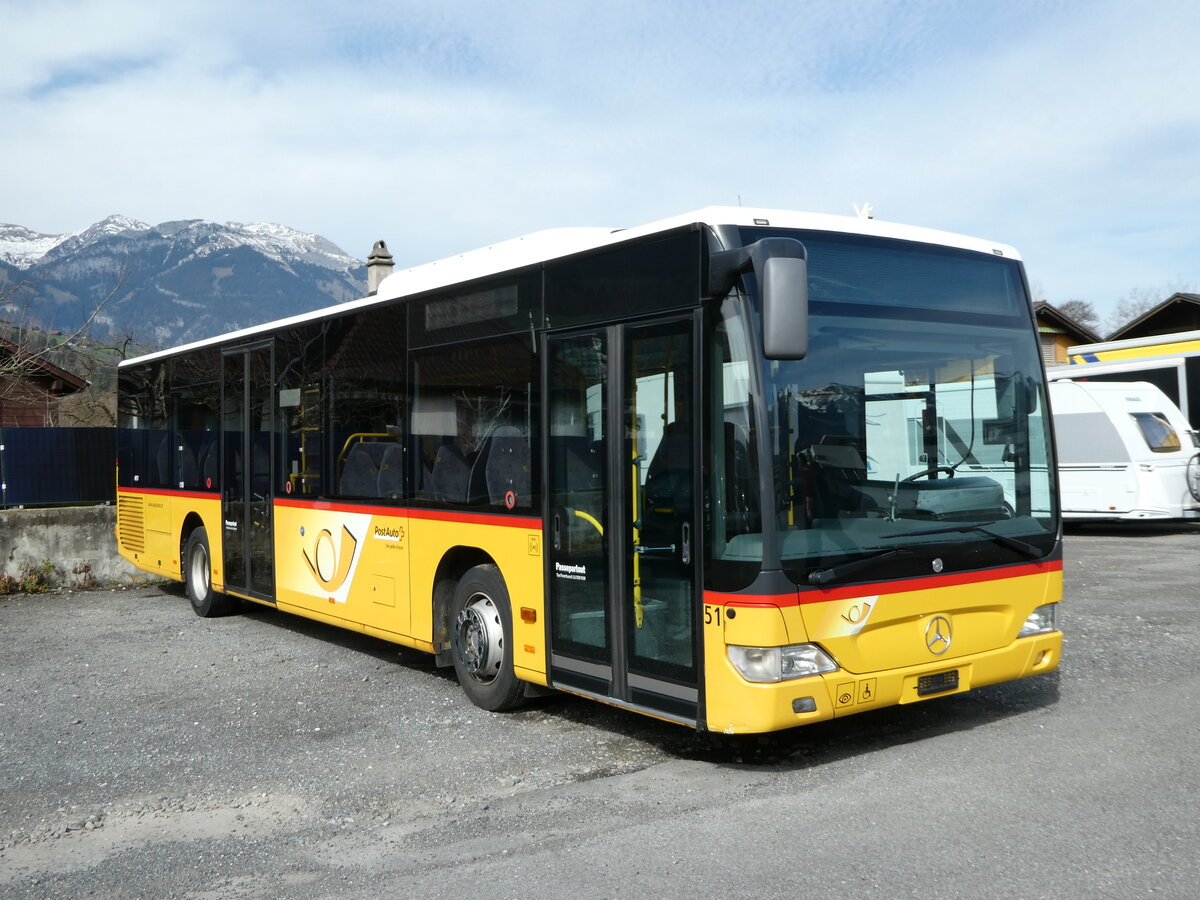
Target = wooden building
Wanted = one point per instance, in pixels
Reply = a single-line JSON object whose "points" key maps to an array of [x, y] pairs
{"points": [[1057, 331], [31, 388], [1178, 313]]}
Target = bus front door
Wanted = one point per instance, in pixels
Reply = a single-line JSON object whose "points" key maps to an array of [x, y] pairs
{"points": [[622, 523], [246, 511]]}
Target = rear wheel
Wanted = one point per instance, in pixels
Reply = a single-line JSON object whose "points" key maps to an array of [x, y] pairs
{"points": [[197, 578], [481, 637]]}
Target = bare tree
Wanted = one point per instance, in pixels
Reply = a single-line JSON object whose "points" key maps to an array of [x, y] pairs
{"points": [[1142, 300], [1082, 311], [95, 362]]}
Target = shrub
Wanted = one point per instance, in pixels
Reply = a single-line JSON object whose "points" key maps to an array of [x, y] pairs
{"points": [[34, 578]]}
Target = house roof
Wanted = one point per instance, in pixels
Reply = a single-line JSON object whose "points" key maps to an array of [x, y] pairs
{"points": [[41, 368], [1051, 318], [1176, 307]]}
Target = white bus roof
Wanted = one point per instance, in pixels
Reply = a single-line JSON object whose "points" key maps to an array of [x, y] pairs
{"points": [[543, 246]]}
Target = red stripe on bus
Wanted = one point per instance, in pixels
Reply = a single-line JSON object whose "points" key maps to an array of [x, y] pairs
{"points": [[168, 492], [460, 518], [800, 598], [476, 518]]}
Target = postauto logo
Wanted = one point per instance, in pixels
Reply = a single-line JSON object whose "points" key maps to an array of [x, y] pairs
{"points": [[330, 561]]}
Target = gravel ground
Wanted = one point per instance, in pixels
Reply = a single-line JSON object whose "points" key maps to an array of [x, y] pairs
{"points": [[147, 753]]}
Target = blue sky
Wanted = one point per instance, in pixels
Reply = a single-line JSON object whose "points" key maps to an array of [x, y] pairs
{"points": [[1069, 129]]}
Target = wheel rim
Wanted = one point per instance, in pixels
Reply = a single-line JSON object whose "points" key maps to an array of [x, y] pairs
{"points": [[479, 638], [198, 572], [1193, 476]]}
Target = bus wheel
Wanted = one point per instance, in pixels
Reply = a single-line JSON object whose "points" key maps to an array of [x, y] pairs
{"points": [[481, 625], [197, 578]]}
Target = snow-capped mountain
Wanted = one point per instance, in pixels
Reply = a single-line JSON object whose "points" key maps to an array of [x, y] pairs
{"points": [[173, 282], [21, 247]]}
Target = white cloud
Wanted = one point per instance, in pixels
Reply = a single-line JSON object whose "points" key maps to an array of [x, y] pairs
{"points": [[1065, 128]]}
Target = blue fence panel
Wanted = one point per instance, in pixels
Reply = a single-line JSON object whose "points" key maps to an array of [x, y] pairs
{"points": [[43, 466]]}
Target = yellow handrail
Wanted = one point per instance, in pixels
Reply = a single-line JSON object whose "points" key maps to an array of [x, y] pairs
{"points": [[588, 517]]}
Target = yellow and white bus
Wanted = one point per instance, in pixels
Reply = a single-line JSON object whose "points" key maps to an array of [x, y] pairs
{"points": [[740, 469]]}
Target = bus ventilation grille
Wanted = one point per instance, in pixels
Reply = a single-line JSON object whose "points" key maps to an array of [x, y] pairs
{"points": [[131, 524]]}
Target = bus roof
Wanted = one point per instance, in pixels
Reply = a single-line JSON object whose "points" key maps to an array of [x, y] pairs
{"points": [[1152, 340], [543, 246]]}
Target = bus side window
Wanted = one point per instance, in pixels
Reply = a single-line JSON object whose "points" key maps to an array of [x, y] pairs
{"points": [[472, 424]]}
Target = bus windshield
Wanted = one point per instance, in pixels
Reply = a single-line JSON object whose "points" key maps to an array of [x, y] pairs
{"points": [[914, 435]]}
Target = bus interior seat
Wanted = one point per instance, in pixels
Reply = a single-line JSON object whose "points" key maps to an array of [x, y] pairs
{"points": [[422, 448], [360, 474], [208, 459], [508, 466], [189, 472], [260, 464], [451, 476], [391, 472], [841, 472], [669, 472], [841, 458], [161, 463], [580, 462], [580, 484]]}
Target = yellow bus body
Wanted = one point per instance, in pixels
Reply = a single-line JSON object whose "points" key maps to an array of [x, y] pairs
{"points": [[356, 567], [150, 523], [374, 570], [878, 636]]}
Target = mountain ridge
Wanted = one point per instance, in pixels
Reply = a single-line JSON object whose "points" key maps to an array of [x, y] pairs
{"points": [[170, 283]]}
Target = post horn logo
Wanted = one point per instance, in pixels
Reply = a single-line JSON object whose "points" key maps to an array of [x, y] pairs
{"points": [[938, 635], [329, 564]]}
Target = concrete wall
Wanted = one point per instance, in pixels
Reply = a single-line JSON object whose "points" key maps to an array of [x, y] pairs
{"points": [[78, 541]]}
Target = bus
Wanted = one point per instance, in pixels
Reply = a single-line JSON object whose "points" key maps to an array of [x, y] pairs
{"points": [[741, 470], [1171, 362]]}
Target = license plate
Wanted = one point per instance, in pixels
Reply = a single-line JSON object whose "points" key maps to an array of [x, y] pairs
{"points": [[937, 683]]}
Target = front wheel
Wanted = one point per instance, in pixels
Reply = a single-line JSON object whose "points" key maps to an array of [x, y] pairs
{"points": [[481, 629], [197, 578]]}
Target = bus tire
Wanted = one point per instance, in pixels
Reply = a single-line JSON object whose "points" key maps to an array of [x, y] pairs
{"points": [[197, 578], [481, 640]]}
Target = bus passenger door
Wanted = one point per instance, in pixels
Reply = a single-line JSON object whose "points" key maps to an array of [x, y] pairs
{"points": [[622, 526], [246, 509]]}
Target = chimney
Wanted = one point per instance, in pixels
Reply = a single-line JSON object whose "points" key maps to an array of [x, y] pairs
{"points": [[379, 266]]}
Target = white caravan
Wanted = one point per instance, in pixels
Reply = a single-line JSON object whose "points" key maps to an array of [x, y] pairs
{"points": [[1125, 451]]}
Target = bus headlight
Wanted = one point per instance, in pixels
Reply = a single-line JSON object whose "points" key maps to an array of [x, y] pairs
{"points": [[767, 664], [1040, 621]]}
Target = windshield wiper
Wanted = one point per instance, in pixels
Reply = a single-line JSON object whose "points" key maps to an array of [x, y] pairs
{"points": [[1011, 542], [833, 573]]}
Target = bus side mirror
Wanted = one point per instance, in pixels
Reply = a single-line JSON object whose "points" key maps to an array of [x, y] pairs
{"points": [[1016, 390], [784, 286], [780, 267]]}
